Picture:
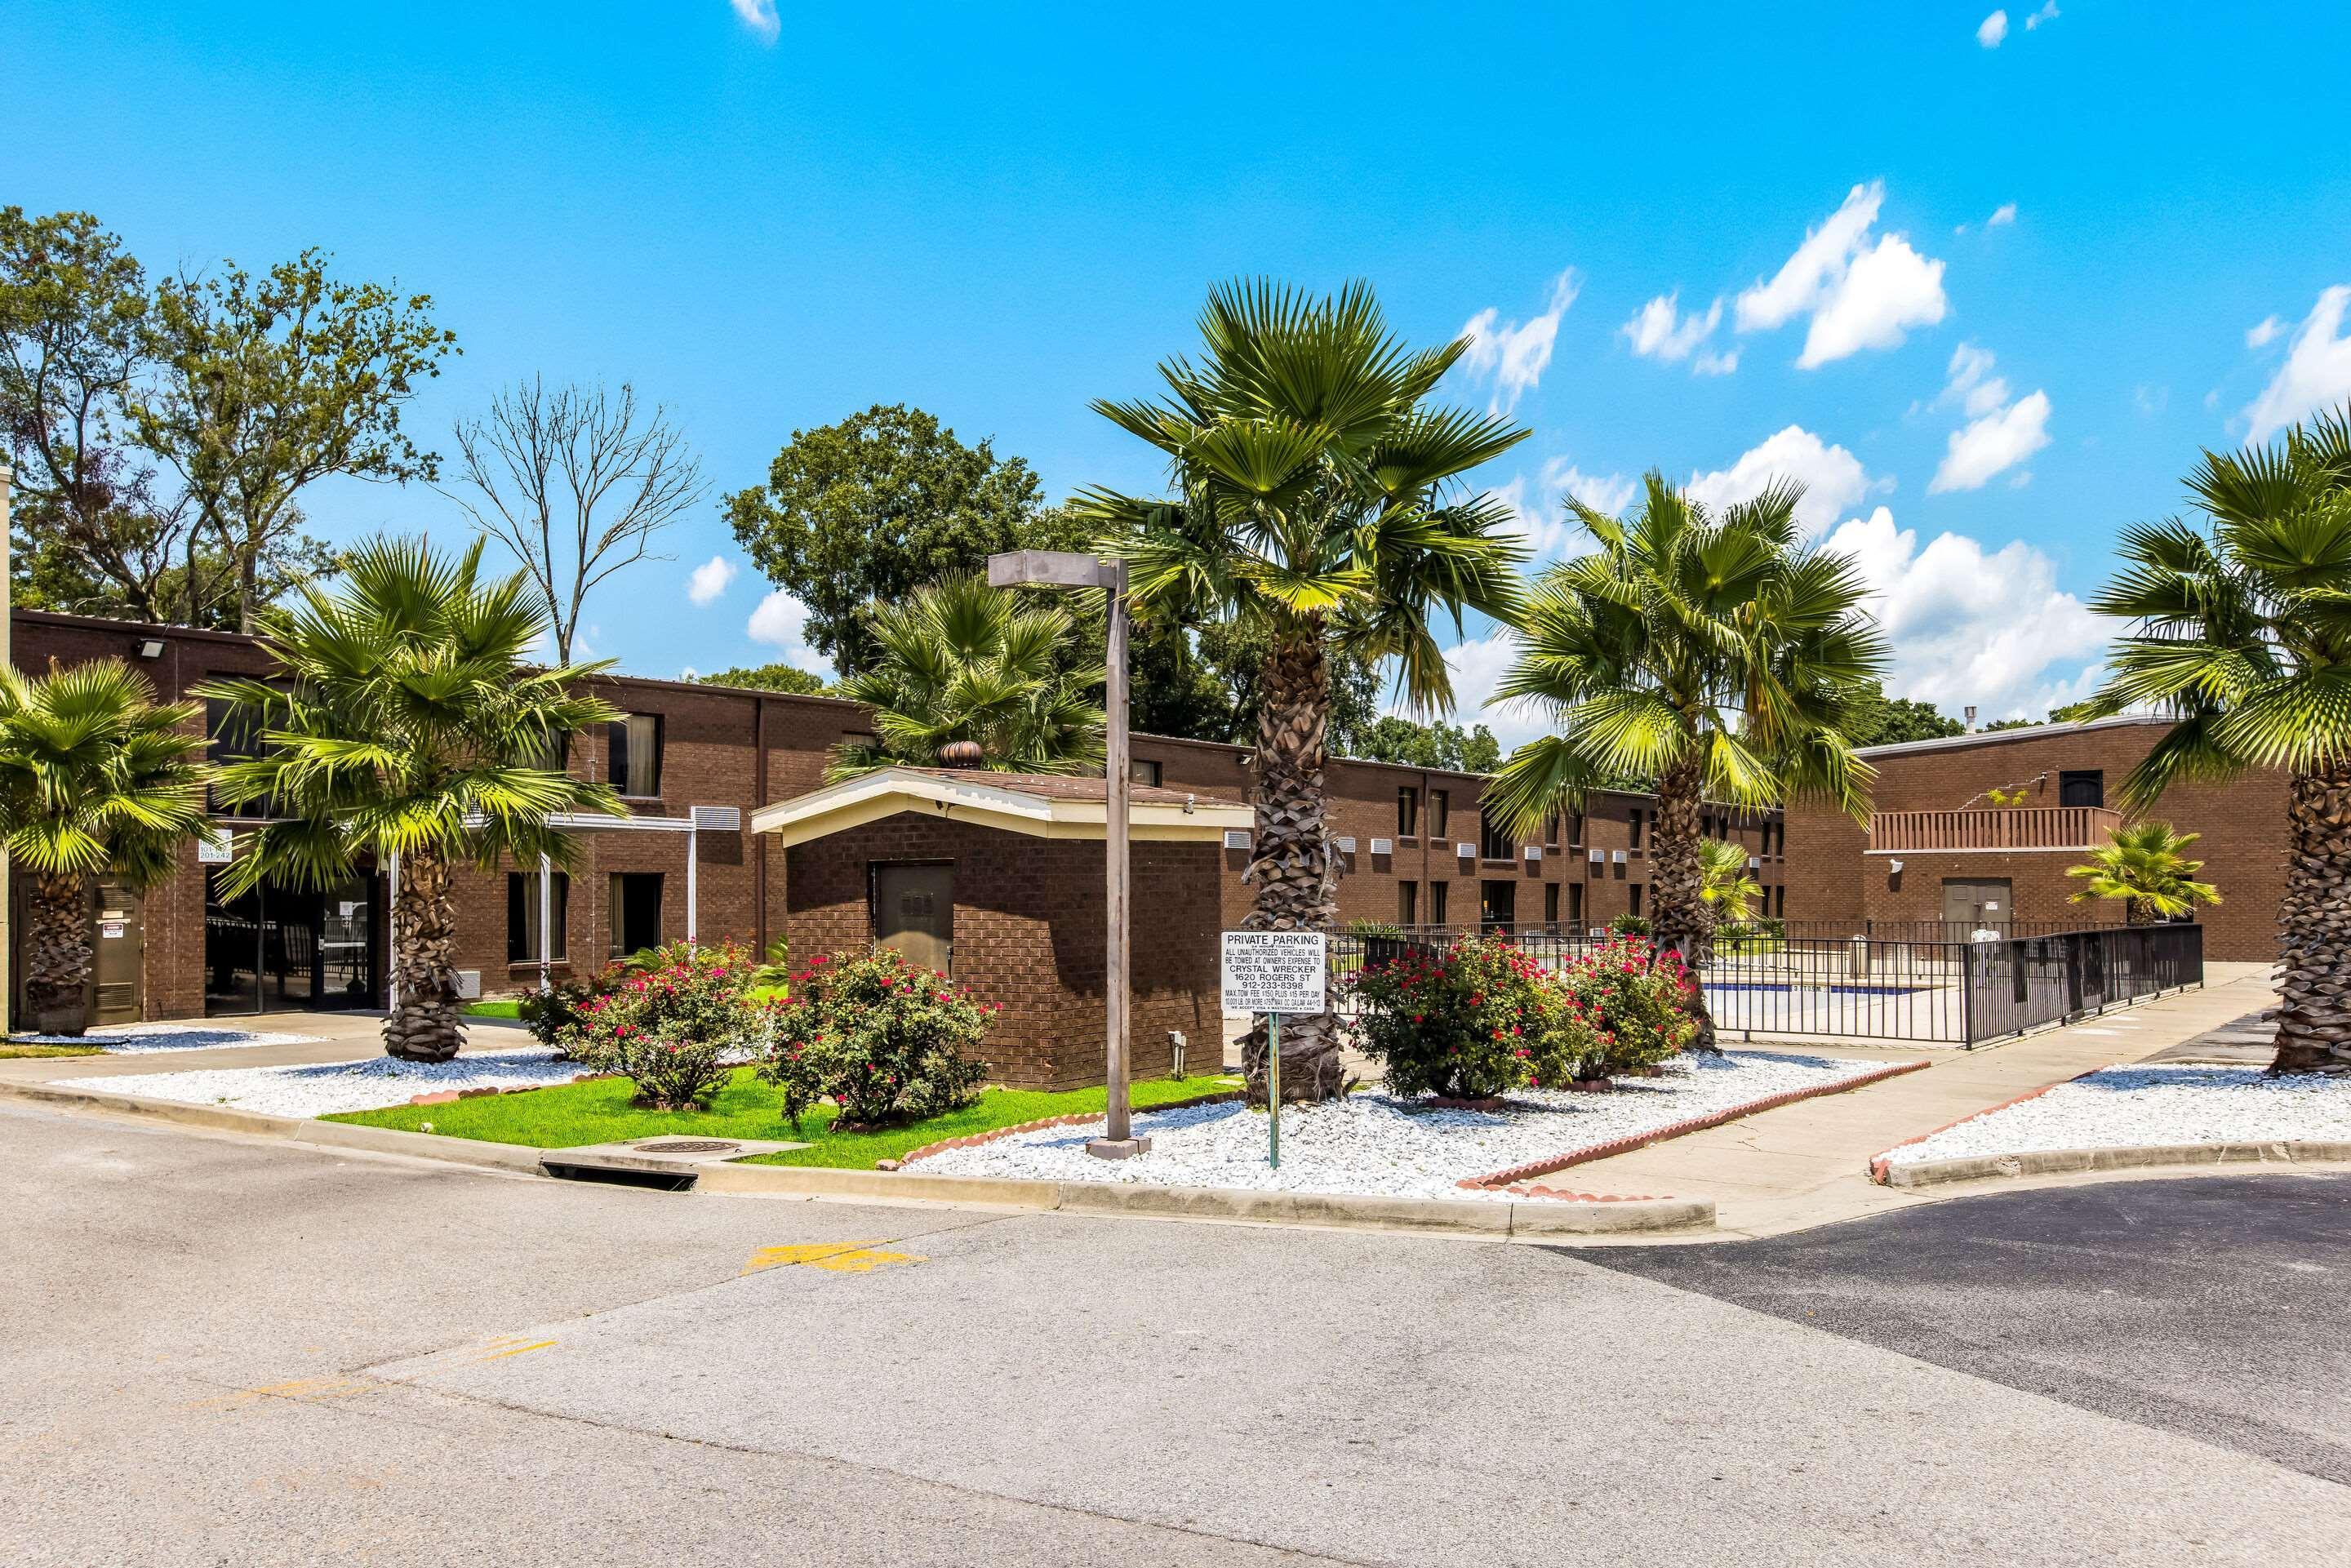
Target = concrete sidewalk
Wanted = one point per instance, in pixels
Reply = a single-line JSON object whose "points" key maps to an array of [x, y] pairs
{"points": [[1807, 1164]]}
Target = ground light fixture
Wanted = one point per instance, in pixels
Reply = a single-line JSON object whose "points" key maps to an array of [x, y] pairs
{"points": [[1072, 568]]}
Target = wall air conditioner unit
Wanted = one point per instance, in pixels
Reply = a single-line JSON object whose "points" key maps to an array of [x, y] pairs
{"points": [[1383, 846], [717, 819], [1347, 846], [1534, 852], [1237, 838], [1600, 857], [469, 985], [1619, 856], [1754, 862], [1467, 852]]}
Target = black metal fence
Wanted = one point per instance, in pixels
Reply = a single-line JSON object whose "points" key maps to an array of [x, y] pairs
{"points": [[1913, 980]]}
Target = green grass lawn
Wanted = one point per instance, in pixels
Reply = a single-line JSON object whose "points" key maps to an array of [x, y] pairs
{"points": [[495, 1010], [12, 1051], [571, 1114]]}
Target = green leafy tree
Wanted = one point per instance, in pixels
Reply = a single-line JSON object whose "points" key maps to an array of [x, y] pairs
{"points": [[788, 678], [1709, 652], [2243, 637], [411, 723], [1393, 738], [2145, 866], [1881, 720], [97, 778], [964, 661], [1320, 507], [2073, 713], [858, 514], [1726, 882], [269, 384]]}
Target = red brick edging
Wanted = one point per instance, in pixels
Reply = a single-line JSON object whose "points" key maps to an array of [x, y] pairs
{"points": [[973, 1140], [1880, 1166], [1508, 1178]]}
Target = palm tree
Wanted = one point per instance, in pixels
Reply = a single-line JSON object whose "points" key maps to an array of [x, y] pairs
{"points": [[965, 661], [2143, 865], [1712, 653], [409, 724], [1726, 882], [2243, 637], [1318, 505], [97, 778]]}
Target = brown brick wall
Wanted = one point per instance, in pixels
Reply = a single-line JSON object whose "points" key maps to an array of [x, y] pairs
{"points": [[1019, 939]]}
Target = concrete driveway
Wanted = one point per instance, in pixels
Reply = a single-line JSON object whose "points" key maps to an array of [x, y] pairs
{"points": [[220, 1351]]}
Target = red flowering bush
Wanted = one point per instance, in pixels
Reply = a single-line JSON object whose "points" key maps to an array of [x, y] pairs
{"points": [[1476, 1020], [883, 1039], [1634, 1001], [676, 1024]]}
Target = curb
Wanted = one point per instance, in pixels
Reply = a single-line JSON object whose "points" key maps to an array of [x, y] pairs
{"points": [[2135, 1156], [1077, 1119], [1490, 1218], [1519, 1173], [1883, 1162]]}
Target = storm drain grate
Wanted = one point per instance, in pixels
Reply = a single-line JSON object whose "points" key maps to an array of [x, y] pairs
{"points": [[687, 1146]]}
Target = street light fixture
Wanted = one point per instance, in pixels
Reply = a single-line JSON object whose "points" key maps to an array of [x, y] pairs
{"points": [[1071, 569]]}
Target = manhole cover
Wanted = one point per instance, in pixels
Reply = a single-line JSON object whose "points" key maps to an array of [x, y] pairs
{"points": [[687, 1146]]}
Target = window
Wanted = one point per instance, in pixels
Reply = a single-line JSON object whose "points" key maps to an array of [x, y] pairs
{"points": [[1139, 771], [1550, 831], [636, 905], [1551, 903], [551, 751], [2087, 788], [1440, 813], [1495, 841], [234, 734], [1437, 914], [1636, 830], [635, 741], [1779, 901], [1407, 904], [523, 936], [1576, 829], [1575, 905], [1407, 812], [1636, 889]]}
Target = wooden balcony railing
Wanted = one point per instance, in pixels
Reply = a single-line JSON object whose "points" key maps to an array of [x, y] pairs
{"points": [[2022, 828]]}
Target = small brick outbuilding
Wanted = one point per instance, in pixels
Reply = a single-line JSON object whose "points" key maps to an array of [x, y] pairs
{"points": [[996, 880]]}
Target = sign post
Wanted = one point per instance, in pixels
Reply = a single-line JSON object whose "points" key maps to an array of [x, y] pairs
{"points": [[1273, 973]]}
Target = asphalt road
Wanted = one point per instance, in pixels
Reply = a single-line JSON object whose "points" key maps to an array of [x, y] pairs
{"points": [[225, 1352]]}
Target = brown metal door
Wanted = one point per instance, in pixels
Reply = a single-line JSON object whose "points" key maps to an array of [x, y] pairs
{"points": [[121, 939], [913, 910], [1977, 906]]}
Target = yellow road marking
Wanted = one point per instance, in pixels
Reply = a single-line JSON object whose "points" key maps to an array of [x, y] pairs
{"points": [[833, 1256], [501, 1355]]}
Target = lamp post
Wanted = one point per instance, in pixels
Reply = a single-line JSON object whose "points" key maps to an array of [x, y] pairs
{"points": [[1069, 569]]}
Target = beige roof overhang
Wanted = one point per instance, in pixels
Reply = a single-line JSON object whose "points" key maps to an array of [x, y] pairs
{"points": [[1164, 815]]}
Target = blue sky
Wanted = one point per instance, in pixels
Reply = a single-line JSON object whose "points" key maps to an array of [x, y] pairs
{"points": [[2079, 243]]}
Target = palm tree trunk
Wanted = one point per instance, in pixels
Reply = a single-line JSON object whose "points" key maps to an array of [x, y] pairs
{"points": [[1681, 918], [427, 1024], [58, 954], [1291, 866], [2314, 1015]]}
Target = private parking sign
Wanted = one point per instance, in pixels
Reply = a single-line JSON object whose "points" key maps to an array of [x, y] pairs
{"points": [[1275, 972]]}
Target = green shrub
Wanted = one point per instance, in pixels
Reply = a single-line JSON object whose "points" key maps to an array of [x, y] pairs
{"points": [[1477, 1019], [675, 1024], [552, 1015], [1630, 926], [883, 1039], [1634, 1002]]}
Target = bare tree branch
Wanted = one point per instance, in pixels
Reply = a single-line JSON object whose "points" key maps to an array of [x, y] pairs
{"points": [[575, 483]]}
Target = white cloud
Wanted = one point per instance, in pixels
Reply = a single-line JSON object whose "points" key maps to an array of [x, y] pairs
{"points": [[1970, 382], [2001, 216], [707, 581], [759, 15], [2316, 372], [2047, 13], [1477, 665], [1541, 507], [2265, 332], [1710, 364], [2150, 398], [1971, 626], [1832, 476], [1992, 29], [1993, 444], [1657, 332], [1859, 295], [781, 622], [1516, 355]]}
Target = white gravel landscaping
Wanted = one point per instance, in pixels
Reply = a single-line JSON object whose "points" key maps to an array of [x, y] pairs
{"points": [[2122, 1107], [324, 1088], [1370, 1144], [128, 1039]]}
